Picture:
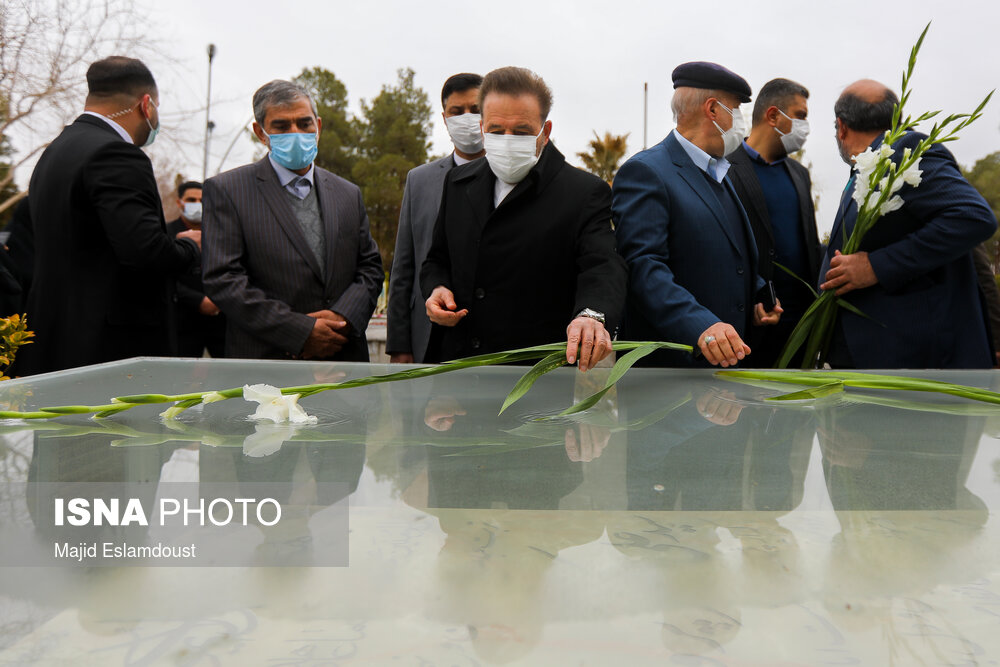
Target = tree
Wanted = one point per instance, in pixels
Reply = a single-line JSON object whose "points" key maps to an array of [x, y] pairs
{"points": [[45, 49], [9, 190], [605, 155], [338, 139], [392, 139], [985, 177]]}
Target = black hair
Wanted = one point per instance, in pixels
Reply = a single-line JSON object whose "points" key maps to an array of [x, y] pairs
{"points": [[776, 93], [187, 185], [864, 116], [118, 75], [459, 83]]}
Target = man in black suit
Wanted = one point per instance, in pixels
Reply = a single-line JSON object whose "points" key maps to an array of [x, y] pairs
{"points": [[200, 323], [408, 328], [289, 256], [776, 192], [523, 252], [104, 265]]}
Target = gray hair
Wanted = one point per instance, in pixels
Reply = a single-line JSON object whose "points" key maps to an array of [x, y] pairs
{"points": [[278, 93], [687, 100]]}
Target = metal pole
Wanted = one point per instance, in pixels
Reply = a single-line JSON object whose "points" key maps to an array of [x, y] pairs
{"points": [[645, 112], [209, 125]]}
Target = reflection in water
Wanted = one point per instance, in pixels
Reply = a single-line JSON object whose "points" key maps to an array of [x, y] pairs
{"points": [[673, 511], [889, 553]]}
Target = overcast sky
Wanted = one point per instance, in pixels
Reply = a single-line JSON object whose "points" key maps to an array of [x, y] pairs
{"points": [[595, 55]]}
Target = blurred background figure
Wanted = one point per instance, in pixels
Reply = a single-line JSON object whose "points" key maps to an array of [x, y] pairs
{"points": [[200, 324]]}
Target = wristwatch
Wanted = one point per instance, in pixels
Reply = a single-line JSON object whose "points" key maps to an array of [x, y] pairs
{"points": [[592, 314]]}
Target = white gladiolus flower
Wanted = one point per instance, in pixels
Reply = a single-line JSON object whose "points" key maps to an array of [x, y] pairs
{"points": [[891, 205], [268, 439], [866, 163], [912, 175], [276, 407]]}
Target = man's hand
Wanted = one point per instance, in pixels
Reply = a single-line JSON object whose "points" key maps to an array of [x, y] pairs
{"points": [[589, 445], [849, 272], [441, 307], [206, 307], [763, 317], [191, 234], [592, 339], [440, 413], [721, 345], [327, 337], [719, 407], [401, 358]]}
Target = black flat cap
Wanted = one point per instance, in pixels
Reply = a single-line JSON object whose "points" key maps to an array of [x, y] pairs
{"points": [[710, 75]]}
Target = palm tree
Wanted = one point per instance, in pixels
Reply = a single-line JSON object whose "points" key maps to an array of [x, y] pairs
{"points": [[605, 155]]}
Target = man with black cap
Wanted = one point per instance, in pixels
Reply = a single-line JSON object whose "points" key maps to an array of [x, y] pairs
{"points": [[683, 232], [105, 267]]}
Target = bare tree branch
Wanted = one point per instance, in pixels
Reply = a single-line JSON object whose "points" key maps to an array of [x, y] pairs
{"points": [[45, 48]]}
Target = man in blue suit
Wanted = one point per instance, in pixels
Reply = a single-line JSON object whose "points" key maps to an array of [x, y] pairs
{"points": [[683, 232], [913, 274]]}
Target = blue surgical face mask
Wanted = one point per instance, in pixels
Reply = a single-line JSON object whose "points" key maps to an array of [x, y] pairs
{"points": [[295, 150]]}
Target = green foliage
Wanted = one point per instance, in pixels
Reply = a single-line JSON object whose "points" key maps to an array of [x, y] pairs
{"points": [[13, 334], [338, 139], [605, 155], [985, 177], [393, 138], [375, 150]]}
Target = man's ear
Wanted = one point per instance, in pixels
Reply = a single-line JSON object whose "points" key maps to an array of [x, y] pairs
{"points": [[261, 134], [772, 114], [708, 107]]}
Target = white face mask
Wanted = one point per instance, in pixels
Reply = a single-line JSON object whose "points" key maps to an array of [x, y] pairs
{"points": [[511, 156], [192, 211], [465, 132], [795, 138], [734, 136]]}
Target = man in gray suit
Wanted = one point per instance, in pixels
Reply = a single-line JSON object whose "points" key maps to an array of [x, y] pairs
{"points": [[409, 329], [289, 257]]}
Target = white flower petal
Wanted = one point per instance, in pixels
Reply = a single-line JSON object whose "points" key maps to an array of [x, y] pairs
{"points": [[276, 407], [260, 393], [296, 415], [267, 439], [893, 204]]}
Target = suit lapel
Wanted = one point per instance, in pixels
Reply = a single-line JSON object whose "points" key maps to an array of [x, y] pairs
{"points": [[479, 197], [741, 170], [329, 217], [274, 195], [837, 233], [692, 175]]}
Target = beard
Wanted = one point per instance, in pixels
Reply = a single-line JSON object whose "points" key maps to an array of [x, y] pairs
{"points": [[844, 155]]}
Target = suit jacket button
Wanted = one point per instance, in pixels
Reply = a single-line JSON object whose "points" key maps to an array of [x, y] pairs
{"points": [[479, 293], [475, 343], [740, 308], [739, 270]]}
